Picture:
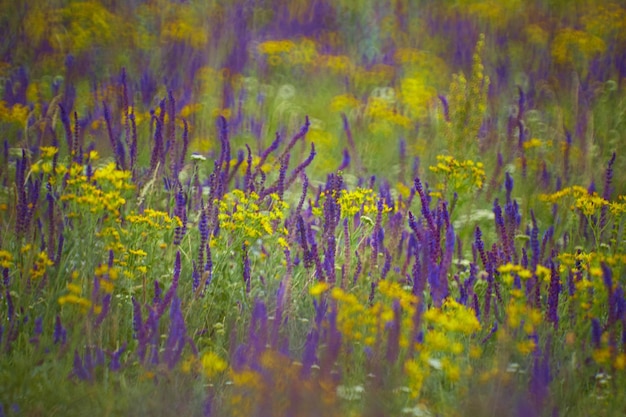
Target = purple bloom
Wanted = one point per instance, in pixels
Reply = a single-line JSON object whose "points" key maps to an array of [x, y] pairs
{"points": [[180, 211], [176, 336], [425, 205], [309, 356], [106, 306], [553, 295], [115, 358], [169, 295], [300, 168], [157, 293], [246, 268], [60, 334], [346, 160], [133, 143], [79, 370], [393, 338], [446, 107], [137, 320], [596, 333]]}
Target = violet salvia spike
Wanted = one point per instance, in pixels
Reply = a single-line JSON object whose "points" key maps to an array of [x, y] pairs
{"points": [[480, 246], [266, 153], [300, 168], [606, 192], [393, 339], [247, 180], [309, 355], [115, 365], [246, 268], [157, 149], [521, 103], [65, 120], [345, 161], [170, 133], [446, 107], [500, 227], [51, 222], [258, 328], [278, 314], [359, 267], [180, 211], [176, 337], [169, 295], [133, 144], [60, 334], [79, 370], [112, 140], [508, 183], [224, 139], [553, 295], [346, 128], [534, 243], [305, 188], [425, 205], [105, 308], [540, 378], [301, 134], [156, 300], [57, 258], [208, 269]]}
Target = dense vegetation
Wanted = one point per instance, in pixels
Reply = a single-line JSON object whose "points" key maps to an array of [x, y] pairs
{"points": [[298, 208]]}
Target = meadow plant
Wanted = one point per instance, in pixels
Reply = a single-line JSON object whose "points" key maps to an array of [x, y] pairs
{"points": [[312, 208]]}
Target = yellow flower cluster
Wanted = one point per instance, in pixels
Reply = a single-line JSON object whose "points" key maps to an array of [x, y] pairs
{"points": [[380, 109], [302, 52], [74, 295], [102, 194], [467, 102], [344, 102], [42, 262], [417, 94], [154, 219], [212, 364], [445, 347], [608, 21], [17, 113], [453, 317], [589, 204], [576, 47], [241, 214], [107, 277], [519, 313], [365, 324], [458, 175], [365, 199], [6, 259], [182, 30]]}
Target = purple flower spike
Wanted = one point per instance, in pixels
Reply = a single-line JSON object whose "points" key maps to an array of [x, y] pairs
{"points": [[425, 205], [169, 295], [180, 211], [246, 268], [115, 358], [446, 108], [176, 336], [596, 333], [60, 334], [346, 160], [553, 295]]}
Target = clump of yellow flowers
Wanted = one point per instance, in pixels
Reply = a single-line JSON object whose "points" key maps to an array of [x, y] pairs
{"points": [[457, 176]]}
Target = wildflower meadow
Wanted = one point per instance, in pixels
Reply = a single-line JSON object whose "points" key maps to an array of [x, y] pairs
{"points": [[357, 208]]}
